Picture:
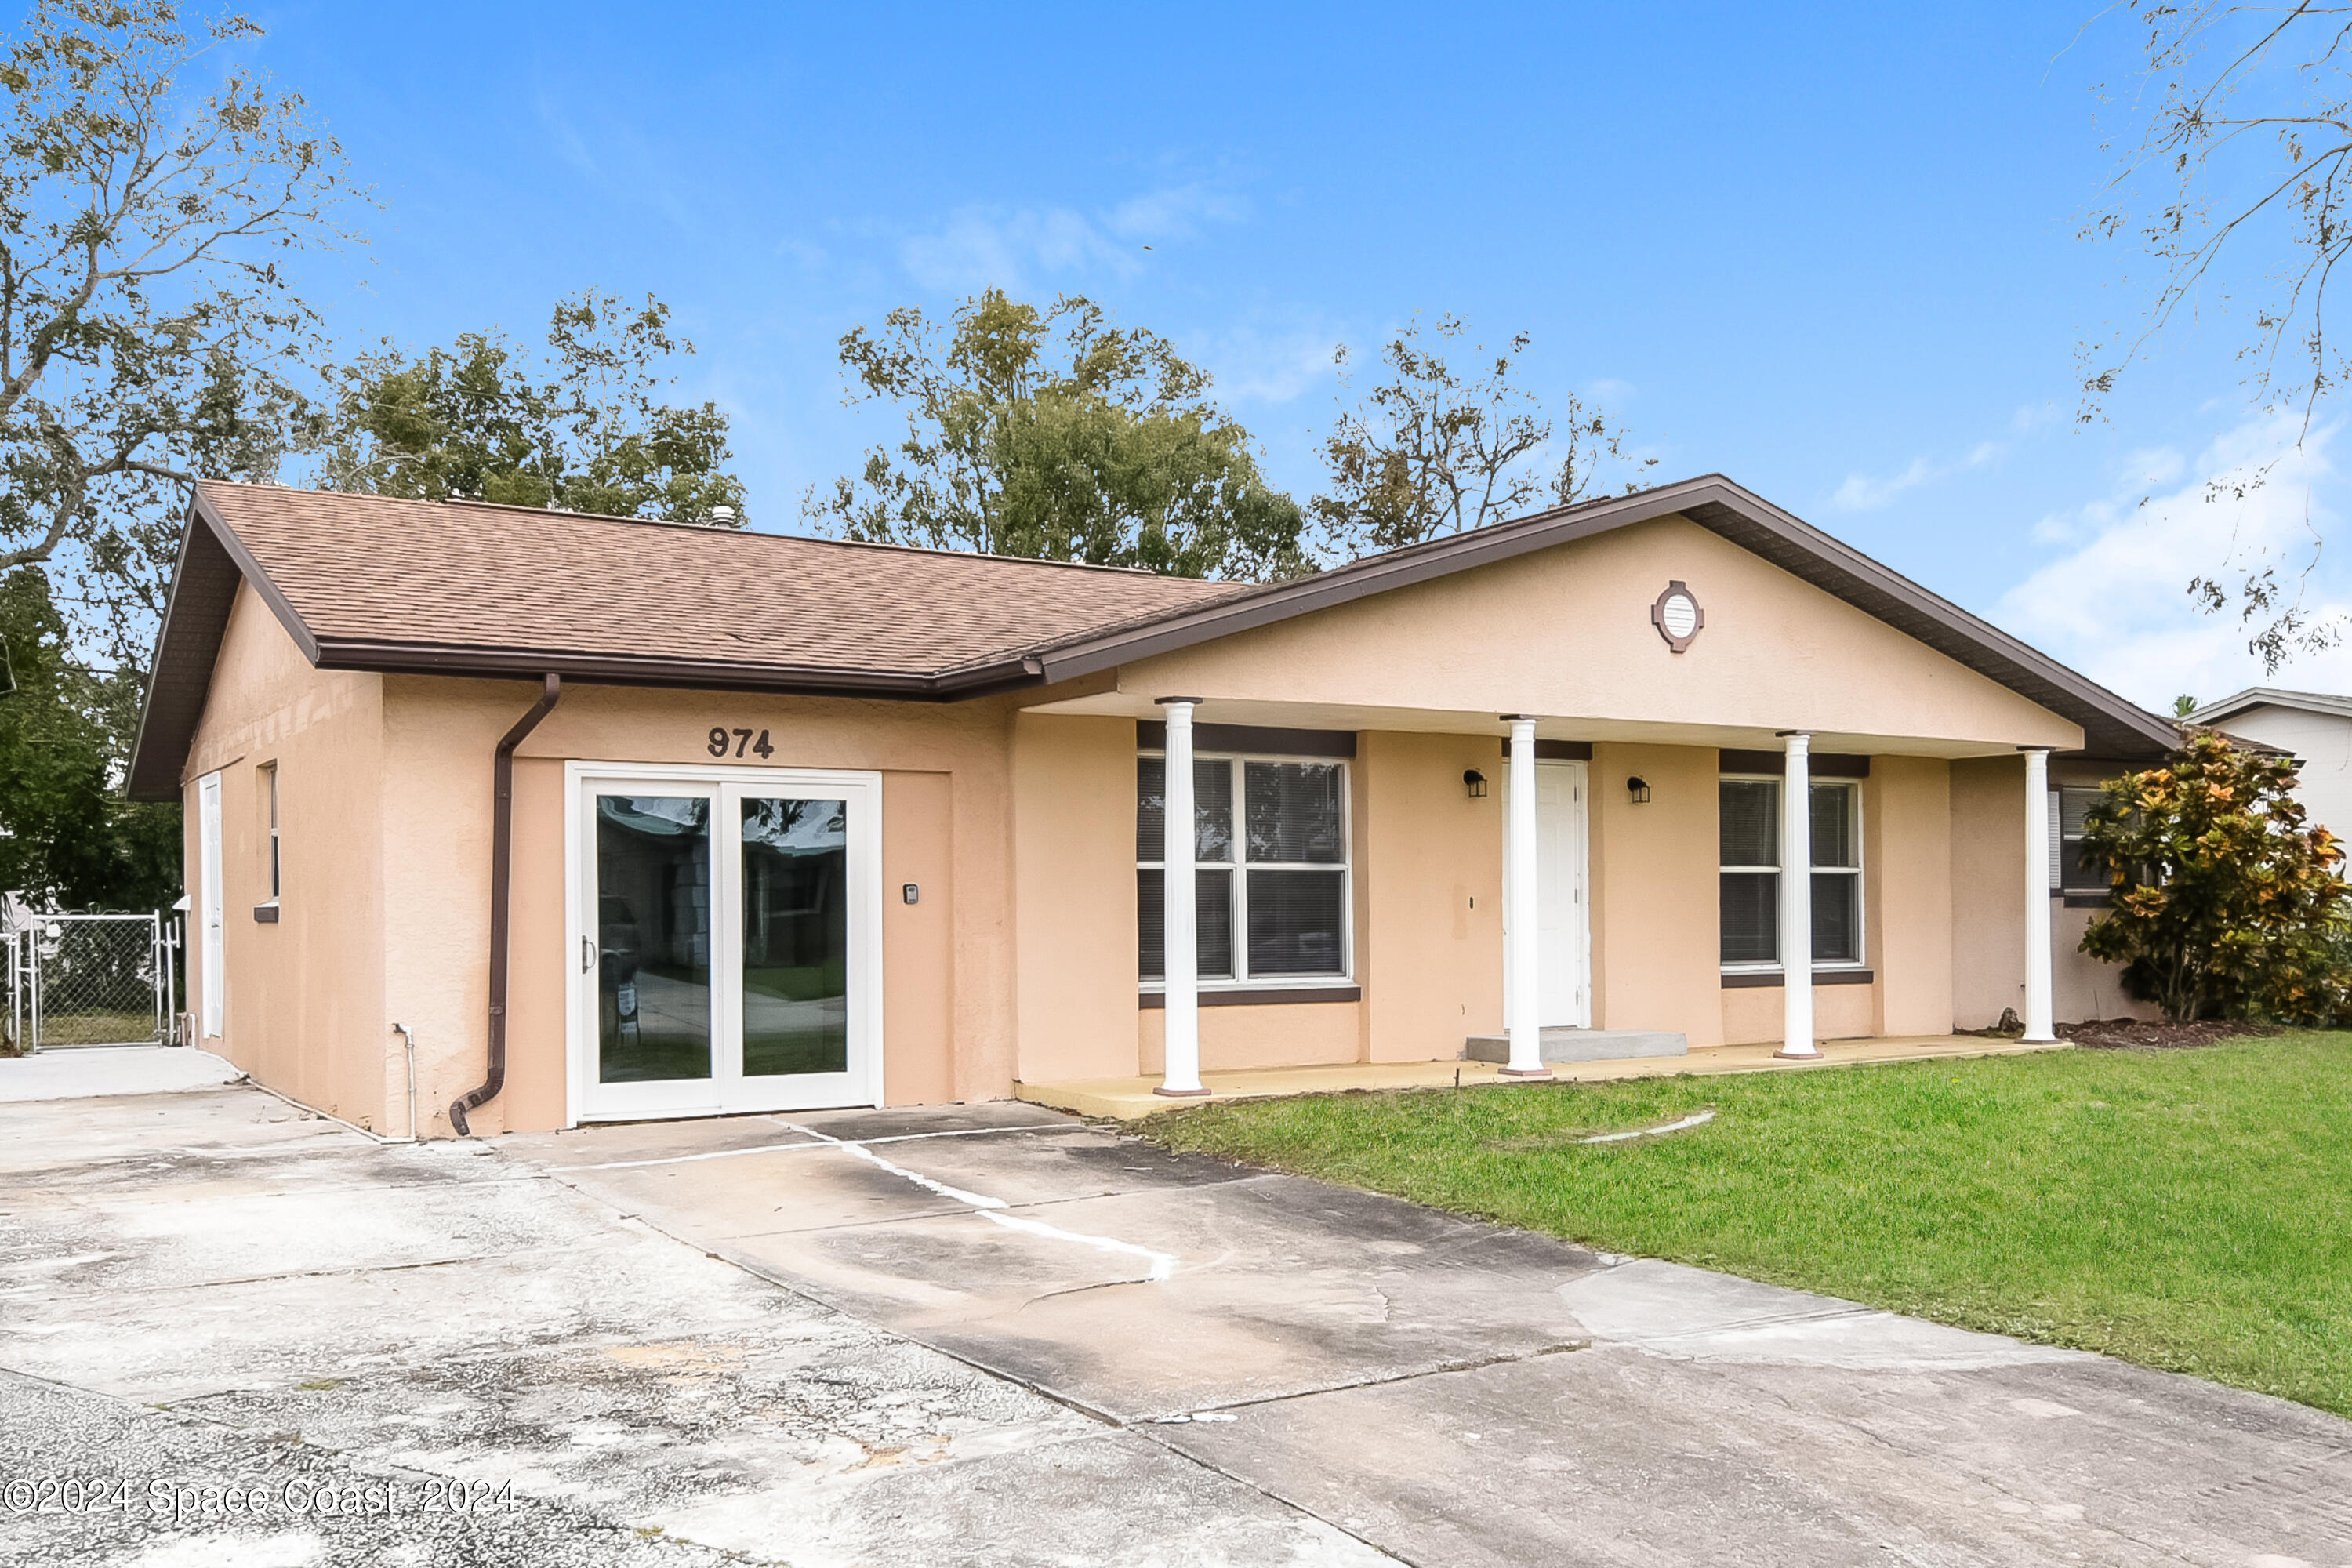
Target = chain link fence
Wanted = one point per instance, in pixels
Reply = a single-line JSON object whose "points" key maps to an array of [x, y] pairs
{"points": [[90, 980]]}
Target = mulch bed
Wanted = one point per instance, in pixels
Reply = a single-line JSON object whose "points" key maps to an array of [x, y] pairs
{"points": [[2132, 1034]]}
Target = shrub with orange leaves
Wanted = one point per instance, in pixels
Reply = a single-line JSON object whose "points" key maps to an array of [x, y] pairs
{"points": [[2228, 903]]}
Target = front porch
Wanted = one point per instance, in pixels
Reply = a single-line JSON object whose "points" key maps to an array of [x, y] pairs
{"points": [[1131, 1098]]}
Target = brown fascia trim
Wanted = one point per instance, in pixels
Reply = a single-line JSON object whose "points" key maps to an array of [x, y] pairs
{"points": [[611, 669], [1819, 764], [1151, 735], [1773, 979], [1845, 569], [180, 672], [1262, 996]]}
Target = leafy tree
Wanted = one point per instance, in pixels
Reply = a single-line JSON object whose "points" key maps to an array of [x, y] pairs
{"points": [[583, 428], [147, 333], [1051, 434], [2230, 177], [1429, 451], [2227, 901], [67, 835]]}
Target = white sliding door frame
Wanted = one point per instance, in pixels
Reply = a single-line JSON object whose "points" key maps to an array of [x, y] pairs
{"points": [[727, 1090]]}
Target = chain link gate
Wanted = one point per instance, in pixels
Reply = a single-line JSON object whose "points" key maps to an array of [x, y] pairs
{"points": [[92, 980]]}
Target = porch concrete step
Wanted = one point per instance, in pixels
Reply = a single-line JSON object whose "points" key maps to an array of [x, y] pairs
{"points": [[1583, 1045]]}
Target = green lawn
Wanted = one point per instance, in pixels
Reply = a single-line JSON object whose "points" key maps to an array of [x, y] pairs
{"points": [[2188, 1209]]}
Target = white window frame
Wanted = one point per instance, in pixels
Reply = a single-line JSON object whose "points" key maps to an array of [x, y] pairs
{"points": [[1861, 887], [276, 864], [1240, 866], [2060, 838]]}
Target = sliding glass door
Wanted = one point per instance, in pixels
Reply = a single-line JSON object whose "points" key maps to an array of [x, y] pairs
{"points": [[727, 941]]}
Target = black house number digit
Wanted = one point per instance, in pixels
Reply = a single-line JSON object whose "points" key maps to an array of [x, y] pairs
{"points": [[740, 741]]}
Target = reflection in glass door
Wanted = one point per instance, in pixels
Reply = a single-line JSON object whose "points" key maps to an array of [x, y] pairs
{"points": [[795, 936], [652, 937], [728, 925]]}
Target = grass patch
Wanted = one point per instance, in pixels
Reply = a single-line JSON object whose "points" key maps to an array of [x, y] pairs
{"points": [[2190, 1210]]}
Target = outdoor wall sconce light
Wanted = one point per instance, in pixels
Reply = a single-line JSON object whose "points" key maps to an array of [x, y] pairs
{"points": [[1639, 790], [1475, 782]]}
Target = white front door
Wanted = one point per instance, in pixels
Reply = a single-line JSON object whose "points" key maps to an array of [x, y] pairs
{"points": [[726, 941], [1562, 902]]}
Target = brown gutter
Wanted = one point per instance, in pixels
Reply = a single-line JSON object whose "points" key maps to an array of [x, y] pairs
{"points": [[502, 877]]}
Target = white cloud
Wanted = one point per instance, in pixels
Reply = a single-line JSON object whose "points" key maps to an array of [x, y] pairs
{"points": [[2117, 608], [1267, 366], [1860, 493], [981, 246]]}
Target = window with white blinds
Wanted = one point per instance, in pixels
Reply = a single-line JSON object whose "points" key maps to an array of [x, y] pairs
{"points": [[1270, 864]]}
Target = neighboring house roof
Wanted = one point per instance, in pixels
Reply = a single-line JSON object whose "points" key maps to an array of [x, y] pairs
{"points": [[2254, 696], [465, 588]]}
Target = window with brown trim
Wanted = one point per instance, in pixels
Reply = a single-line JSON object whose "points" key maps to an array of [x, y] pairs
{"points": [[1270, 867]]}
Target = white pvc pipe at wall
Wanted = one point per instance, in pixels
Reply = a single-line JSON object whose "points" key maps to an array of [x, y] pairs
{"points": [[1526, 907], [1179, 934], [1797, 901], [2038, 1025]]}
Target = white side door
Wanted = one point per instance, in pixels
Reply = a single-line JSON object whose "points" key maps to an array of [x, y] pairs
{"points": [[212, 920], [1563, 902], [726, 941]]}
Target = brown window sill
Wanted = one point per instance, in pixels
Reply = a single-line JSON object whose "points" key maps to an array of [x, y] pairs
{"points": [[1268, 996], [1770, 979], [2078, 900]]}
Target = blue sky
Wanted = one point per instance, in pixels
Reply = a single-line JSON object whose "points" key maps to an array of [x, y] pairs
{"points": [[1829, 251]]}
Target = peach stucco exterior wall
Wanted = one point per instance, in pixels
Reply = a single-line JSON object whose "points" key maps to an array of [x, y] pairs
{"points": [[1074, 878], [948, 1009], [1989, 907], [1567, 633], [303, 997], [1906, 820], [1429, 895], [1655, 950]]}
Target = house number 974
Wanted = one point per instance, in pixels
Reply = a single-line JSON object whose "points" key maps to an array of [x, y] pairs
{"points": [[722, 738]]}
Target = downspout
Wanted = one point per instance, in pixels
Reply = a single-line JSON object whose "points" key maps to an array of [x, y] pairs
{"points": [[501, 876]]}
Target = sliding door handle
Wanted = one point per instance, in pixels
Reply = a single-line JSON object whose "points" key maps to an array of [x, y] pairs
{"points": [[587, 953]]}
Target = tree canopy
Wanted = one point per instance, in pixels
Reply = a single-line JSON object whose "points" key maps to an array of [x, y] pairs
{"points": [[1052, 434], [148, 331], [66, 833], [1430, 451], [583, 425]]}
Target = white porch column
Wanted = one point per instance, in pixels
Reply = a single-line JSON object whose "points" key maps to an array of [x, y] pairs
{"points": [[1797, 901], [1180, 937], [1525, 912], [2038, 1021]]}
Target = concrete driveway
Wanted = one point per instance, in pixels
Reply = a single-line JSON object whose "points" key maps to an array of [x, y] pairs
{"points": [[994, 1335]]}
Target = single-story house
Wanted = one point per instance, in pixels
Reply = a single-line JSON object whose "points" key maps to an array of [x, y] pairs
{"points": [[2315, 726], [512, 819]]}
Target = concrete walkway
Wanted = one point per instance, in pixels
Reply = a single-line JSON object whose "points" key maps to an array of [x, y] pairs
{"points": [[996, 1336], [83, 1072]]}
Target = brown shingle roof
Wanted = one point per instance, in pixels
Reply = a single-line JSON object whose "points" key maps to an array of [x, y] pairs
{"points": [[366, 583], [365, 571]]}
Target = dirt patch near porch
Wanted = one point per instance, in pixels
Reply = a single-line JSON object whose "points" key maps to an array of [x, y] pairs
{"points": [[2134, 1034]]}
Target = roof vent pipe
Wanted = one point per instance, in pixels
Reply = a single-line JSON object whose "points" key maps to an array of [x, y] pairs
{"points": [[501, 875]]}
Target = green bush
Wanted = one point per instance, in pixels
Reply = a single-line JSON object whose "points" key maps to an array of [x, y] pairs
{"points": [[2227, 902]]}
